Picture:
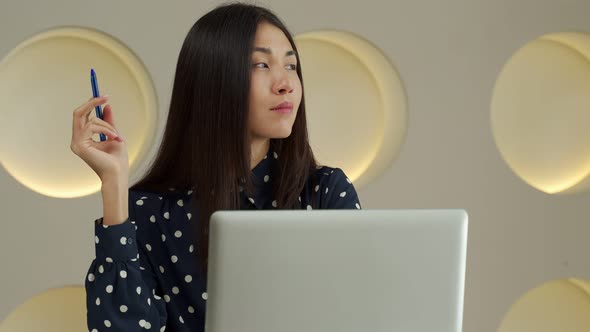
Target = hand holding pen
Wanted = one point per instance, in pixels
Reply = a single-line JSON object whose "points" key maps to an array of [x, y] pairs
{"points": [[108, 158]]}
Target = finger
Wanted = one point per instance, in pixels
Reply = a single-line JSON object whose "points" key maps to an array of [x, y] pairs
{"points": [[83, 110], [98, 121], [93, 102], [97, 129], [104, 145]]}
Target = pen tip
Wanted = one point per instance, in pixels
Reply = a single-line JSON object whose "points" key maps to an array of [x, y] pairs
{"points": [[91, 70]]}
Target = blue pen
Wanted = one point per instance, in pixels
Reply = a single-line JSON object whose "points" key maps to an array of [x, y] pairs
{"points": [[95, 94]]}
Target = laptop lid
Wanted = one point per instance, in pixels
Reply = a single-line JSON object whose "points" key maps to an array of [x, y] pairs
{"points": [[336, 270]]}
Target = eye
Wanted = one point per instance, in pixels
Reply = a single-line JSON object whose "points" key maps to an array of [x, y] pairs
{"points": [[293, 66]]}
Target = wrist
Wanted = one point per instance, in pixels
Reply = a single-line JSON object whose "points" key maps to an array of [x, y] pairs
{"points": [[115, 198]]}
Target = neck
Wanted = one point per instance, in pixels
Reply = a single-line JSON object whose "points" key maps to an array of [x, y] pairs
{"points": [[258, 149]]}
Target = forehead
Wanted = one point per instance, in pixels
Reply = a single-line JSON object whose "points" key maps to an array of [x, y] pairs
{"points": [[268, 35]]}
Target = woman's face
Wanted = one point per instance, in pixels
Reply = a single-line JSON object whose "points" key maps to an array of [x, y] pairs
{"points": [[273, 80]]}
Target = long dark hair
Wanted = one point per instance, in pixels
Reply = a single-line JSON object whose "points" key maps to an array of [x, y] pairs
{"points": [[205, 145]]}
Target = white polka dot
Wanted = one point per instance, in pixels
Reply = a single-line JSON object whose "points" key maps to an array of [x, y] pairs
{"points": [[299, 198], [251, 199], [275, 155], [138, 290], [100, 269], [123, 240], [142, 323], [149, 301], [90, 277], [189, 192], [188, 278], [153, 218], [97, 301], [163, 328], [266, 178], [166, 215], [148, 325], [107, 323], [317, 187], [191, 309], [326, 190], [123, 274], [357, 206], [204, 295], [166, 298], [163, 238], [189, 215], [109, 289], [180, 202], [157, 297], [175, 290], [191, 248], [309, 207], [123, 308], [105, 226], [109, 260], [274, 203], [178, 234], [180, 319], [161, 269], [139, 202], [148, 247], [96, 239], [174, 259], [342, 194], [94, 330]]}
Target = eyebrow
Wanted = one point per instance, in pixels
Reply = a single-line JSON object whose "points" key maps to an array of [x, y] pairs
{"points": [[269, 51]]}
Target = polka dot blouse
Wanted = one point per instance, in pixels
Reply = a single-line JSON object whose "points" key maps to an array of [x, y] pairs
{"points": [[142, 277]]}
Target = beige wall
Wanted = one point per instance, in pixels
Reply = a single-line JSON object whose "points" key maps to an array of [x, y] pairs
{"points": [[448, 54]]}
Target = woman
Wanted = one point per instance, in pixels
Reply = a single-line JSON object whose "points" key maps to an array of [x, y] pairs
{"points": [[235, 138]]}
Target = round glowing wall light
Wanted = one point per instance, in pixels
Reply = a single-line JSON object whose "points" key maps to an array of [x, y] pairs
{"points": [[559, 305], [540, 113], [59, 309], [355, 101], [43, 80]]}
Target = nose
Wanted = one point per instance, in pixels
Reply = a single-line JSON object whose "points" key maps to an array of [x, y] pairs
{"points": [[283, 85]]}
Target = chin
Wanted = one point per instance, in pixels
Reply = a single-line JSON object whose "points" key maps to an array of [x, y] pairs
{"points": [[284, 133]]}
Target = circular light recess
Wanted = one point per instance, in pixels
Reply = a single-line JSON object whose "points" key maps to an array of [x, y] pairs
{"points": [[559, 305], [355, 101], [540, 113], [43, 80], [54, 310]]}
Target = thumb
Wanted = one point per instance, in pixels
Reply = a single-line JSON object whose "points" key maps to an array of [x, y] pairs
{"points": [[107, 113]]}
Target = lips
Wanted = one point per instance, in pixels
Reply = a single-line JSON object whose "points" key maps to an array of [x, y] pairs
{"points": [[283, 107]]}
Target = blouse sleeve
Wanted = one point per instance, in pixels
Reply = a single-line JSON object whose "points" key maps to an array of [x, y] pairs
{"points": [[338, 192], [120, 283]]}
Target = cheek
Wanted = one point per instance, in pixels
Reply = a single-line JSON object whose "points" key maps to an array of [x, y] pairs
{"points": [[298, 90]]}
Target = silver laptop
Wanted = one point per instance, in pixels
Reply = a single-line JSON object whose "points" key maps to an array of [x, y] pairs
{"points": [[336, 271]]}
